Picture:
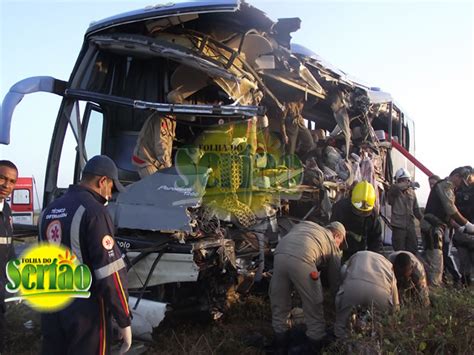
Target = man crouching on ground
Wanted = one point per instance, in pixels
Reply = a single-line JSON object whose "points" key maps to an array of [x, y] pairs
{"points": [[299, 257]]}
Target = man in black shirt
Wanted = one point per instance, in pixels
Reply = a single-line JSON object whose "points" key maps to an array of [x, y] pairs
{"points": [[8, 177], [362, 223]]}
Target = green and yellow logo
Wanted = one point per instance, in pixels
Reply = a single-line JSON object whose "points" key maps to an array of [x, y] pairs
{"points": [[48, 277], [238, 168]]}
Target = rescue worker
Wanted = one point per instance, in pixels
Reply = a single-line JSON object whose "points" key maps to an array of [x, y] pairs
{"points": [[411, 277], [402, 198], [299, 258], [362, 223], [440, 213], [367, 280], [464, 242], [432, 180], [154, 147], [8, 177], [84, 225]]}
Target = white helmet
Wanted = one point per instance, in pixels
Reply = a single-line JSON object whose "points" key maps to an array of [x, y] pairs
{"points": [[402, 173]]}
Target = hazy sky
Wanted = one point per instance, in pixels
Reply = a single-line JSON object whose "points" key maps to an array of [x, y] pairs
{"points": [[422, 52]]}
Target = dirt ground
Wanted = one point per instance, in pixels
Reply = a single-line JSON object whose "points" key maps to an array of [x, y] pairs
{"points": [[245, 329], [446, 328]]}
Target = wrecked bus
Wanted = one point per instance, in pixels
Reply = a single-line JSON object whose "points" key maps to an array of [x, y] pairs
{"points": [[234, 171]]}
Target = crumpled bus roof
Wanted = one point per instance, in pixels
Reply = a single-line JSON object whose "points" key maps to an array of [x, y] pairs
{"points": [[164, 10]]}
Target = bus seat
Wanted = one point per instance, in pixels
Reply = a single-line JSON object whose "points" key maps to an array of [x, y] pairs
{"points": [[121, 149]]}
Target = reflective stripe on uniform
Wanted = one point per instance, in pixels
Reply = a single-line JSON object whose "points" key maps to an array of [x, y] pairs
{"points": [[75, 229], [109, 269], [5, 240], [121, 293], [102, 329]]}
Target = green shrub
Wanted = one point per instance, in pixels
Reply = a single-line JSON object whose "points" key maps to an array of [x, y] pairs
{"points": [[447, 327]]}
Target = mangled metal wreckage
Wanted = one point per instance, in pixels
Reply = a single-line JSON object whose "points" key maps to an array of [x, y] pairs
{"points": [[234, 84]]}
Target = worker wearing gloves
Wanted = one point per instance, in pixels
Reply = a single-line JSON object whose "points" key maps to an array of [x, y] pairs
{"points": [[79, 221], [300, 256], [402, 198], [411, 278], [367, 280], [362, 223], [441, 213]]}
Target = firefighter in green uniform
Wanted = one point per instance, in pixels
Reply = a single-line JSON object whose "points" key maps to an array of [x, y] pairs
{"points": [[411, 278], [368, 280], [402, 198], [440, 214], [464, 242], [299, 258]]}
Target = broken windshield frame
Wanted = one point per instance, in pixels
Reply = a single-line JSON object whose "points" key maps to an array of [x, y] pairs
{"points": [[147, 46], [208, 110], [139, 45]]}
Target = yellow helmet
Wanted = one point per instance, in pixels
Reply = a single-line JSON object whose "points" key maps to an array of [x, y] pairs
{"points": [[363, 196]]}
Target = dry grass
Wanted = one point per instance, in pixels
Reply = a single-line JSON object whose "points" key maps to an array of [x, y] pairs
{"points": [[245, 329], [447, 327], [19, 339]]}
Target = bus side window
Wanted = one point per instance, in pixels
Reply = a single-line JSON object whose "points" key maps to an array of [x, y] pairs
{"points": [[406, 138], [410, 141], [93, 128], [65, 171]]}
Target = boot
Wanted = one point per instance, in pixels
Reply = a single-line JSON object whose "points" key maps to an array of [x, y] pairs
{"points": [[317, 346], [280, 343], [466, 280], [313, 347]]}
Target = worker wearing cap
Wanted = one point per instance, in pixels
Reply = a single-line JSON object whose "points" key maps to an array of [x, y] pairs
{"points": [[411, 278], [441, 213], [300, 256], [368, 281], [362, 223], [432, 180], [402, 198], [79, 221], [8, 178]]}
